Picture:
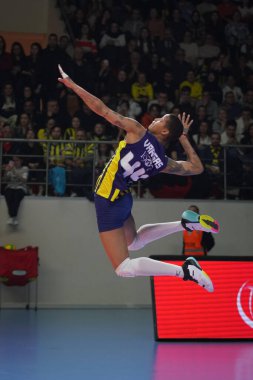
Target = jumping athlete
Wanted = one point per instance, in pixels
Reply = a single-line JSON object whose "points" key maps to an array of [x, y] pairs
{"points": [[141, 155]]}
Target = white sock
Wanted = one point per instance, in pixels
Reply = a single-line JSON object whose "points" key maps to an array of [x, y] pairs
{"points": [[151, 232], [143, 266]]}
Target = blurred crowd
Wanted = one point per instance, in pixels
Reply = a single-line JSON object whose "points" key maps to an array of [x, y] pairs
{"points": [[143, 59]]}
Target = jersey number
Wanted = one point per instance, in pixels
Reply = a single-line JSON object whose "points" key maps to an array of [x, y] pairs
{"points": [[132, 171]]}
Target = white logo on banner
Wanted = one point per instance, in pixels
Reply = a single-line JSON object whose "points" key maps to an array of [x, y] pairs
{"points": [[248, 319]]}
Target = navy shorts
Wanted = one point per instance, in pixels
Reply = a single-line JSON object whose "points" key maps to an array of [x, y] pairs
{"points": [[112, 215]]}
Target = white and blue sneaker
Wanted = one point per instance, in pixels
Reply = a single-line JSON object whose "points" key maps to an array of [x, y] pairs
{"points": [[194, 272], [192, 221]]}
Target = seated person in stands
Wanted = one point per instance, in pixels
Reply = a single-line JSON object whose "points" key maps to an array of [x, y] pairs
{"points": [[15, 176]]}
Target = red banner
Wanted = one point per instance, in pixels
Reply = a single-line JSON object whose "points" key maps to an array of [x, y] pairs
{"points": [[184, 310]]}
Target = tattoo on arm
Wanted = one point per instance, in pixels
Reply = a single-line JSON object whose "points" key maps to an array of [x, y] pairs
{"points": [[174, 167]]}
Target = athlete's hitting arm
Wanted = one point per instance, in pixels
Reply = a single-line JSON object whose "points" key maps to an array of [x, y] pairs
{"points": [[97, 106], [191, 167]]}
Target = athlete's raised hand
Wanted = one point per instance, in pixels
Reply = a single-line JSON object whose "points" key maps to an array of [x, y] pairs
{"points": [[186, 121], [65, 79]]}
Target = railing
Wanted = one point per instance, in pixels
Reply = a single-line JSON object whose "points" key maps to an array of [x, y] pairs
{"points": [[233, 179]]}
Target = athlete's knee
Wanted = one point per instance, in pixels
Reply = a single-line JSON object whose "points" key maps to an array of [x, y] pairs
{"points": [[125, 269], [136, 244]]}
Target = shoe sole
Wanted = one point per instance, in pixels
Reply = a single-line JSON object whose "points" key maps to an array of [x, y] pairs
{"points": [[208, 284], [210, 223]]}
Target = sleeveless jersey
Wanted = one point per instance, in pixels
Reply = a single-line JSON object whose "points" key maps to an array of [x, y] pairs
{"points": [[130, 163]]}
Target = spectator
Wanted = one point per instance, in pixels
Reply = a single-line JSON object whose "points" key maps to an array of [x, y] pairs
{"points": [[99, 132], [166, 47], [121, 85], [134, 109], [163, 102], [80, 162], [209, 49], [226, 9], [246, 10], [186, 9], [197, 26], [233, 107], [145, 43], [152, 113], [206, 7], [212, 86], [221, 66], [155, 70], [23, 125], [142, 91], [77, 22], [84, 72], [52, 56], [65, 45], [87, 42], [248, 140], [27, 93], [103, 23], [71, 133], [44, 133], [210, 105], [230, 86], [185, 101], [18, 63], [228, 137], [5, 62], [243, 122], [202, 138], [197, 243], [32, 153], [248, 100], [155, 24], [220, 123], [134, 66], [133, 23], [167, 85], [200, 115], [190, 48], [33, 69], [215, 26], [194, 85], [16, 175], [8, 105], [53, 111], [9, 148], [236, 31], [104, 77], [112, 45], [55, 155], [177, 25], [213, 158]]}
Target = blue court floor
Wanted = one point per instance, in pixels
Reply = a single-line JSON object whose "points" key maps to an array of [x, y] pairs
{"points": [[109, 344]]}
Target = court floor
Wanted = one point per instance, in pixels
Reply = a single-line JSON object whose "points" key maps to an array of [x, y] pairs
{"points": [[109, 344]]}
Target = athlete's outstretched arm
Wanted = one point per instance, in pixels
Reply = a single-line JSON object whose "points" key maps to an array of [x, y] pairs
{"points": [[191, 167], [97, 106]]}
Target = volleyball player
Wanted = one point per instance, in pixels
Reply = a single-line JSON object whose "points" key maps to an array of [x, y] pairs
{"points": [[141, 155]]}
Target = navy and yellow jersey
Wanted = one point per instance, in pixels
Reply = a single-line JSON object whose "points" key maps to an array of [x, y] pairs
{"points": [[56, 152], [70, 134], [130, 163]]}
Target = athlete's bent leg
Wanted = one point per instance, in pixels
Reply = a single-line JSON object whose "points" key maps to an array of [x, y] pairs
{"points": [[115, 245], [151, 232]]}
